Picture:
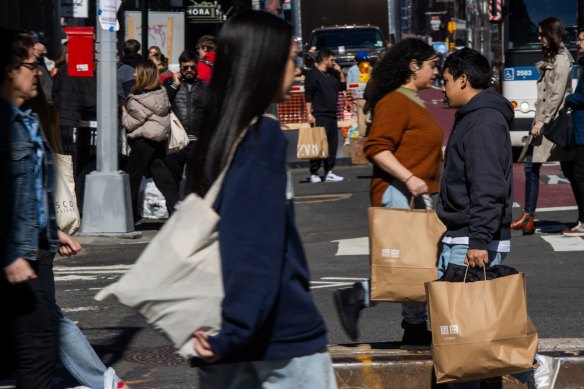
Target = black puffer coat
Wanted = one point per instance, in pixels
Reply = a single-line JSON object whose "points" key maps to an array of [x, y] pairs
{"points": [[187, 104]]}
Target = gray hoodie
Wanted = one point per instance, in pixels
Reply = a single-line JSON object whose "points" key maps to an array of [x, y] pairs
{"points": [[476, 195], [147, 115]]}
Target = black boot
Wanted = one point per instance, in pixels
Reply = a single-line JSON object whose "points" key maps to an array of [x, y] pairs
{"points": [[416, 334], [349, 303]]}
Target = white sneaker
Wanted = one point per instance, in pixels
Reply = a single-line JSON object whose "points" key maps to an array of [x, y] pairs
{"points": [[315, 179], [546, 374], [332, 177]]}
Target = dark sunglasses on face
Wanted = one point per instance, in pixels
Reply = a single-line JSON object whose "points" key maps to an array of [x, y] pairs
{"points": [[187, 67], [32, 66]]}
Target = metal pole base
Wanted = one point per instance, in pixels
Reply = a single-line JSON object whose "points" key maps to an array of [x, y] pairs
{"points": [[107, 207]]}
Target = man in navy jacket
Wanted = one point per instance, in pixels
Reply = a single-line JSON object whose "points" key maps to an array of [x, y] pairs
{"points": [[476, 196], [475, 199]]}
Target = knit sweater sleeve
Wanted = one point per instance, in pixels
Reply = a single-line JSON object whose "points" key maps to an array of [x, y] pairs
{"points": [[389, 123]]}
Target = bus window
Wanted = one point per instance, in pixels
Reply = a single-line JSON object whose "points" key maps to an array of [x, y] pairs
{"points": [[524, 15]]}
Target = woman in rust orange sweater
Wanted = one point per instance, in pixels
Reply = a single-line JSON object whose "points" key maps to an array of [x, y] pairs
{"points": [[405, 146]]}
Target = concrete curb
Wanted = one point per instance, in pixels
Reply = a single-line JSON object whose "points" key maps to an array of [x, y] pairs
{"points": [[385, 365]]}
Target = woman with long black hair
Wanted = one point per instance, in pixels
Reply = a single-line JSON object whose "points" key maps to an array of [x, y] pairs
{"points": [[271, 335], [554, 84]]}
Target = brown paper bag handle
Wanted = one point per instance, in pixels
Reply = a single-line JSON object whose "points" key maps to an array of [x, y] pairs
{"points": [[466, 272]]}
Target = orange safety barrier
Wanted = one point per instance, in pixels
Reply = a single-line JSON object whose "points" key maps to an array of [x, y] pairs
{"points": [[294, 110]]}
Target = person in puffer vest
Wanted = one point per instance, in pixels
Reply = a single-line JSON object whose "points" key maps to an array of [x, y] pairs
{"points": [[146, 117]]}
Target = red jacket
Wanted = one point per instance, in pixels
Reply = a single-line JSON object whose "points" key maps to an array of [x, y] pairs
{"points": [[205, 67]]}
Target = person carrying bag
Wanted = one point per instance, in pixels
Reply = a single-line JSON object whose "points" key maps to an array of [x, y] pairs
{"points": [[248, 315]]}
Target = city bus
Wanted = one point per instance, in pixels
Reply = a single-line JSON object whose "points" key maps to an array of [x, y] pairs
{"points": [[509, 40]]}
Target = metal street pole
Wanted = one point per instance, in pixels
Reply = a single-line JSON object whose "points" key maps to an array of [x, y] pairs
{"points": [[144, 9], [393, 12], [297, 21], [107, 208]]}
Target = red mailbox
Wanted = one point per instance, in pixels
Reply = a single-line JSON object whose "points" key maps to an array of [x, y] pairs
{"points": [[80, 50]]}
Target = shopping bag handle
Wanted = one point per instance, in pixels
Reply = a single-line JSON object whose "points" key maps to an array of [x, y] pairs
{"points": [[466, 272]]}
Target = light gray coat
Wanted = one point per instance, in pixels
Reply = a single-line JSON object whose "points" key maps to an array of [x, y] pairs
{"points": [[554, 84], [147, 115]]}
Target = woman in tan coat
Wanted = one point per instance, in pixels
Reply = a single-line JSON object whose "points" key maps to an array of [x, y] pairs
{"points": [[146, 117], [554, 84]]}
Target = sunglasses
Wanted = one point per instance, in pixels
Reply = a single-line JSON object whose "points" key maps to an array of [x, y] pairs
{"points": [[32, 66], [187, 67]]}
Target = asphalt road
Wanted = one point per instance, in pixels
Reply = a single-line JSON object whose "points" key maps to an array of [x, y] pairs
{"points": [[326, 214]]}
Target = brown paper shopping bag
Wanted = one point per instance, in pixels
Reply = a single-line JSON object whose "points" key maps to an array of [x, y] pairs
{"points": [[404, 247], [480, 329], [312, 143]]}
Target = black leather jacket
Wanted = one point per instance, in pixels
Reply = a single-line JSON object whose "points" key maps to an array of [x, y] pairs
{"points": [[187, 104]]}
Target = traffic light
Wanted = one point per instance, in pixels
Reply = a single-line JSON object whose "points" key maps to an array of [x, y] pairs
{"points": [[451, 26]]}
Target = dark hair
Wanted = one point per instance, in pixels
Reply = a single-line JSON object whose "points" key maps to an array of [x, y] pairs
{"points": [[49, 120], [131, 46], [15, 48], [208, 42], [155, 48], [471, 63], [252, 51], [553, 31], [161, 58], [147, 77], [188, 56], [323, 54], [393, 70]]}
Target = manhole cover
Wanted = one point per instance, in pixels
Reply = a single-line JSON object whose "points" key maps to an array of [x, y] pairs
{"points": [[163, 355], [322, 198]]}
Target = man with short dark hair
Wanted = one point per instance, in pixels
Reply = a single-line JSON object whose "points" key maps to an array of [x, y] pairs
{"points": [[127, 66], [206, 51], [476, 190], [186, 93], [322, 86], [475, 199]]}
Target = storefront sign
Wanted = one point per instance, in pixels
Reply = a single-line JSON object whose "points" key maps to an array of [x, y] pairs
{"points": [[204, 12]]}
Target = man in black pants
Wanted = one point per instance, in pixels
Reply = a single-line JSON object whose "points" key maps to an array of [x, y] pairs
{"points": [[186, 94], [322, 85]]}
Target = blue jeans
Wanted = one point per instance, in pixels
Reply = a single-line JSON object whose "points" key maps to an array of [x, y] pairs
{"points": [[308, 372], [531, 183], [76, 353], [398, 196], [456, 253]]}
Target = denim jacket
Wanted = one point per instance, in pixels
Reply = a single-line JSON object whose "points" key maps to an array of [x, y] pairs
{"points": [[19, 227]]}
